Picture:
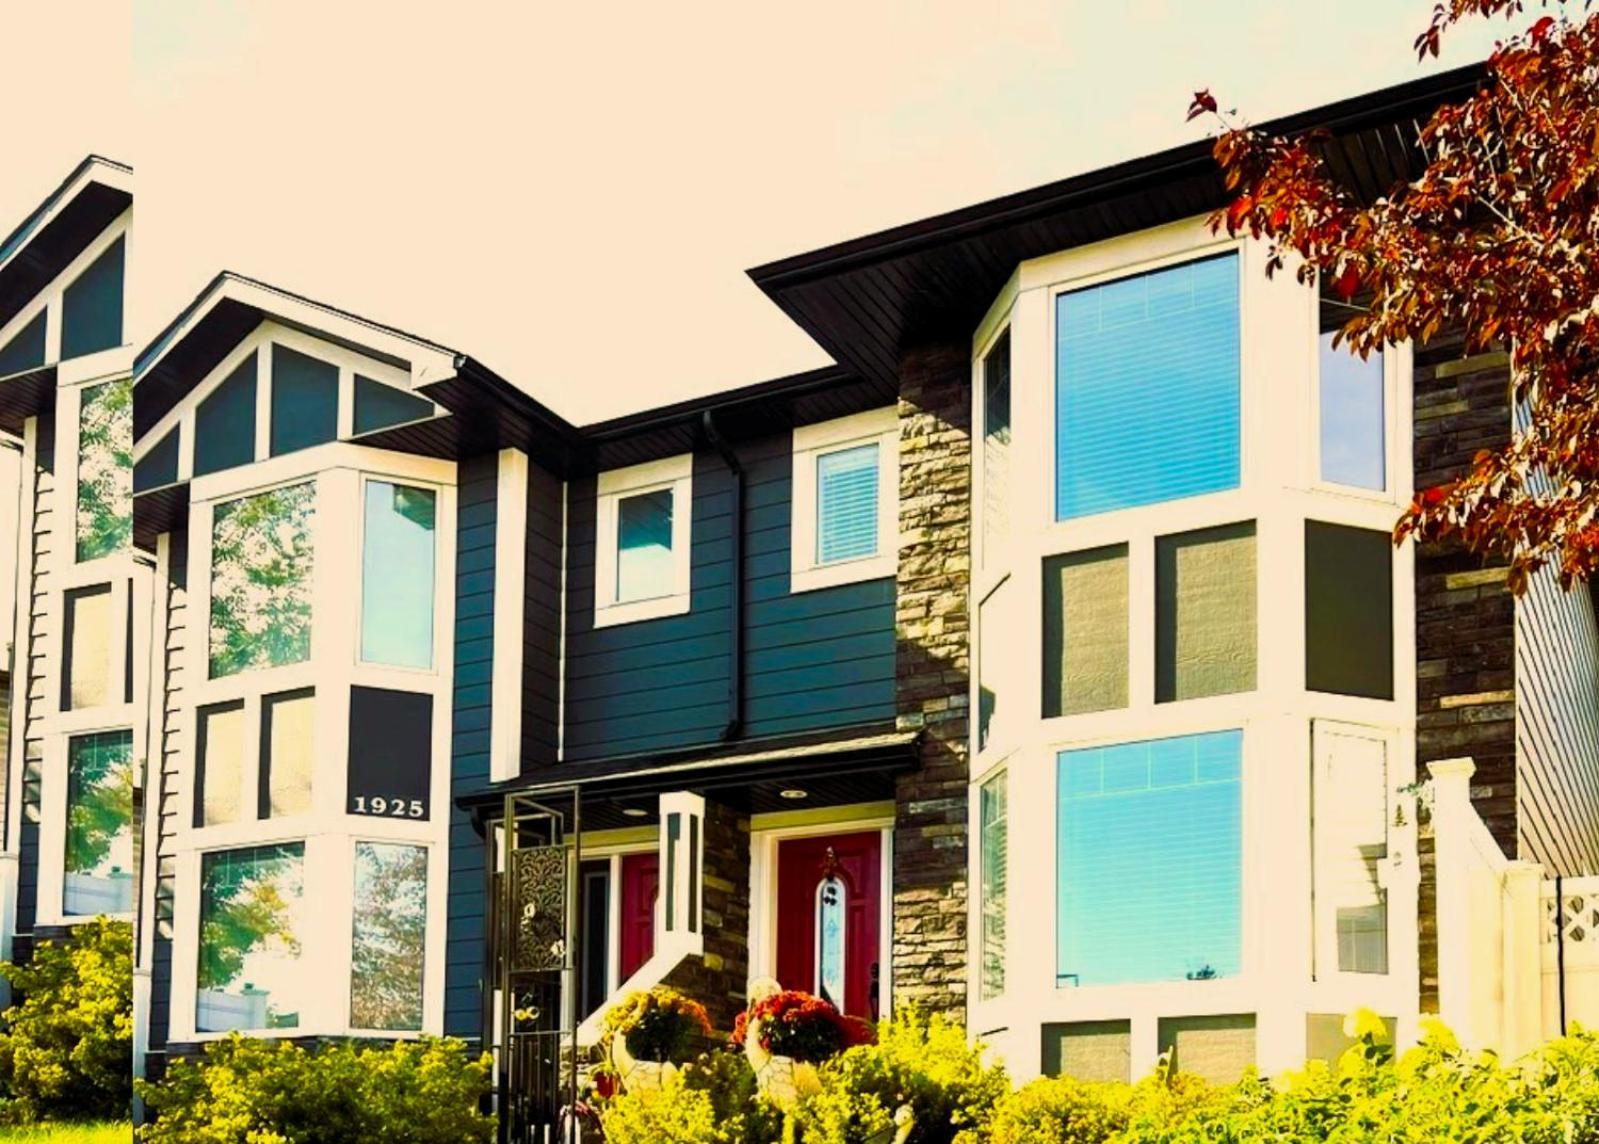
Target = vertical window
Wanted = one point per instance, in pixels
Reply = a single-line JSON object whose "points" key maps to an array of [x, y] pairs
{"points": [[261, 580], [832, 910], [26, 349], [994, 839], [250, 974], [305, 401], [644, 565], [287, 722], [846, 504], [397, 575], [1353, 418], [992, 632], [219, 778], [390, 938], [105, 469], [1085, 631], [595, 980], [1350, 830], [1349, 611], [91, 308], [378, 406], [88, 665], [159, 466], [1205, 613], [1147, 389], [224, 423], [996, 444], [1149, 861], [99, 836]]}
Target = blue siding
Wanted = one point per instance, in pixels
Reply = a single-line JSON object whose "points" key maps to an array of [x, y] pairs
{"points": [[813, 661], [469, 745]]}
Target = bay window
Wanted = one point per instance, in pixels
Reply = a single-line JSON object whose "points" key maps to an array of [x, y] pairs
{"points": [[1149, 861], [261, 564], [397, 575], [252, 926], [1147, 388], [389, 940]]}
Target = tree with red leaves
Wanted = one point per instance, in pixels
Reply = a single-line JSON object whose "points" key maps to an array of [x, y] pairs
{"points": [[1497, 238]]}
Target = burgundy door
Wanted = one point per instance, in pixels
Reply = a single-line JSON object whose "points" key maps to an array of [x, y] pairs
{"points": [[829, 892], [641, 882]]}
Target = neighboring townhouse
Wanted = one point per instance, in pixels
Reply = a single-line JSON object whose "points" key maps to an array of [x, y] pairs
{"points": [[79, 595], [1047, 660]]}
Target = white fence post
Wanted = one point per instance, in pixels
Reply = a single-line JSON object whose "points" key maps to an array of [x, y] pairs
{"points": [[1523, 986], [1451, 813]]}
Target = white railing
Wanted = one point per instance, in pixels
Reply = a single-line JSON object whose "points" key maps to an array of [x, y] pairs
{"points": [[1570, 932]]}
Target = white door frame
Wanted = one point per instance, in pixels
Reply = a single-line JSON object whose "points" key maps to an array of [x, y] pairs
{"points": [[763, 881]]}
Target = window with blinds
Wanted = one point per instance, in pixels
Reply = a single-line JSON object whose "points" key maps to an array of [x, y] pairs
{"points": [[1149, 861], [1147, 388], [995, 843], [846, 504]]}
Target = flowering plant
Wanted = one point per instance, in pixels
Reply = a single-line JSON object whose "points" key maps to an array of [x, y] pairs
{"points": [[658, 1025], [793, 1024]]}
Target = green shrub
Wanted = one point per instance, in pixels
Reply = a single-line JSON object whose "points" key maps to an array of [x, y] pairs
{"points": [[252, 1091], [923, 1066], [713, 1101], [1060, 1110], [66, 1045]]}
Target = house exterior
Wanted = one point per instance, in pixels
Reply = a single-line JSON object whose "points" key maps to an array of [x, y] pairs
{"points": [[1045, 661], [76, 595]]}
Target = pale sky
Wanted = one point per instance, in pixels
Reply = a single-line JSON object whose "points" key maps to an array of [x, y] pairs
{"points": [[572, 193]]}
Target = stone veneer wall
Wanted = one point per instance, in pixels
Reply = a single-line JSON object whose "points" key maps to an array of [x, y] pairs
{"points": [[1465, 617], [718, 978], [932, 626]]}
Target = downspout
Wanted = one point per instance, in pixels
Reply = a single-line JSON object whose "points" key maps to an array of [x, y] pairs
{"points": [[735, 634]]}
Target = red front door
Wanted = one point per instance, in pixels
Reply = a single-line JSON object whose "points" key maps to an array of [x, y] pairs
{"points": [[641, 884], [829, 891]]}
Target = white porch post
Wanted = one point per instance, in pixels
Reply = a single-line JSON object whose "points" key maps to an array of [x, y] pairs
{"points": [[1451, 817]]}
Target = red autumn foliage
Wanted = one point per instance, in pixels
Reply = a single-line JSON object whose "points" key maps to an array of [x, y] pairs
{"points": [[802, 1026], [1497, 238]]}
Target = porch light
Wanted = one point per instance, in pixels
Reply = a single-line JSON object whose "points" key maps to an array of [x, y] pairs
{"points": [[635, 812], [794, 794]]}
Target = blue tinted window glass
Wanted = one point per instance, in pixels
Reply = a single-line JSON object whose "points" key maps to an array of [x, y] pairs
{"points": [[305, 401], [644, 546], [91, 308], [1146, 389], [24, 351], [397, 597], [846, 504], [377, 406], [224, 423], [1149, 861], [1352, 429], [159, 466]]}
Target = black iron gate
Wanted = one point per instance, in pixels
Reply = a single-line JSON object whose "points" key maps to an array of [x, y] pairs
{"points": [[535, 953]]}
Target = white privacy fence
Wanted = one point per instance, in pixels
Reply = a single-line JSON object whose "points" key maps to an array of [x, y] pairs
{"points": [[1518, 951]]}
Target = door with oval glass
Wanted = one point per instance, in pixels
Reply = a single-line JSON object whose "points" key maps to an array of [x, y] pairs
{"points": [[829, 893]]}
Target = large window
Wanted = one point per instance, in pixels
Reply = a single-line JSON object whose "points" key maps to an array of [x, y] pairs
{"points": [[845, 501], [105, 469], [91, 308], [390, 936], [1085, 631], [1147, 388], [642, 517], [994, 839], [397, 575], [99, 834], [251, 927], [1149, 853], [261, 580], [1205, 613], [1349, 611]]}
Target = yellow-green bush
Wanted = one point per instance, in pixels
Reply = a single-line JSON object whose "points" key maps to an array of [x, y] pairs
{"points": [[712, 1101], [66, 1044], [247, 1091]]}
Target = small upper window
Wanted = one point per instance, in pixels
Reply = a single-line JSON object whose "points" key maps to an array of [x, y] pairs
{"points": [[105, 469], [91, 308], [845, 500], [305, 401], [641, 567], [26, 349], [1353, 413]]}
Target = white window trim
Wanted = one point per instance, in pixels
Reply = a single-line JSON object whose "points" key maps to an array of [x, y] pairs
{"points": [[875, 426], [339, 471], [674, 473]]}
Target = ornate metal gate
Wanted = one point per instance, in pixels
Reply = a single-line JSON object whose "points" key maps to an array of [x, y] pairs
{"points": [[537, 933]]}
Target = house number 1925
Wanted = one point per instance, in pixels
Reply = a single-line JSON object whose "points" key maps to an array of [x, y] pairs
{"points": [[388, 807]]}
